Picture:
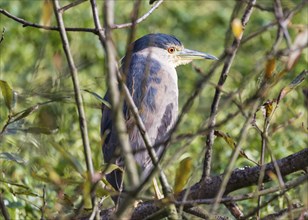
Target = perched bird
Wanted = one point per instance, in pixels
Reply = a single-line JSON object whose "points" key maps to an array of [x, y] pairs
{"points": [[152, 80]]}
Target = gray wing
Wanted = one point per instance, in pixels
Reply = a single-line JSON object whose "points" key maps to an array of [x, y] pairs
{"points": [[110, 150], [143, 82], [146, 85]]}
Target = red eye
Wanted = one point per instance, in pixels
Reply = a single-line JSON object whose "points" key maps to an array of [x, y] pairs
{"points": [[171, 50]]}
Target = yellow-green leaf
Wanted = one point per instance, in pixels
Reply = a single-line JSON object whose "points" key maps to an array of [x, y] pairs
{"points": [[237, 28], [183, 173], [47, 12], [268, 107], [108, 168], [8, 94], [231, 143], [269, 69], [298, 80]]}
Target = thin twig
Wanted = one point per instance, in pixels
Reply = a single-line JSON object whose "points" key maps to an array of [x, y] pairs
{"points": [[70, 5], [142, 18], [116, 101], [51, 28], [154, 159], [283, 23], [217, 96], [78, 97]]}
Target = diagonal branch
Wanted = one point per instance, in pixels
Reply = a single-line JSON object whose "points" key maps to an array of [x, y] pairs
{"points": [[216, 100], [116, 99], [78, 98]]}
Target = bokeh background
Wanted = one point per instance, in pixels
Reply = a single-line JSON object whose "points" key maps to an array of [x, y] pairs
{"points": [[41, 155]]}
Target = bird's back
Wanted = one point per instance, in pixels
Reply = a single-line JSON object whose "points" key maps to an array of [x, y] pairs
{"points": [[153, 87]]}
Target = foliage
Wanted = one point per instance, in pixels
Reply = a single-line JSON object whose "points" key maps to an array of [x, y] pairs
{"points": [[43, 169]]}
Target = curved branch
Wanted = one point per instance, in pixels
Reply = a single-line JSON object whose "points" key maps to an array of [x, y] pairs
{"points": [[142, 18]]}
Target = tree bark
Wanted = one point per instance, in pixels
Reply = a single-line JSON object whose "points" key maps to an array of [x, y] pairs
{"points": [[240, 178]]}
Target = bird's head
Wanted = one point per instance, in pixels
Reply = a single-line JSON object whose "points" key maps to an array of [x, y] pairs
{"points": [[168, 48]]}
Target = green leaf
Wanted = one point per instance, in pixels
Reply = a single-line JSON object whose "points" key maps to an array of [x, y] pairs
{"points": [[298, 80], [25, 113], [40, 130], [108, 168], [183, 173], [8, 94], [231, 143], [12, 157], [107, 104]]}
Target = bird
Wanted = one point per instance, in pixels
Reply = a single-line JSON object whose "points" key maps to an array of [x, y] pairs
{"points": [[150, 75]]}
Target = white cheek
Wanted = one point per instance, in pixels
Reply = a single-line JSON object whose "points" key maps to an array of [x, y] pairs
{"points": [[179, 62]]}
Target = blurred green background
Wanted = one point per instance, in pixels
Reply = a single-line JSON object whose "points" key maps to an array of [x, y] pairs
{"points": [[43, 152]]}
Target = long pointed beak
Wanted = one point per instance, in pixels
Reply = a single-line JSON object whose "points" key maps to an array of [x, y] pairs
{"points": [[195, 55]]}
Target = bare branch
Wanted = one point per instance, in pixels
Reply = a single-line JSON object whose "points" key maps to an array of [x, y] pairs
{"points": [[78, 97], [73, 4], [142, 18], [50, 28], [215, 103], [116, 100]]}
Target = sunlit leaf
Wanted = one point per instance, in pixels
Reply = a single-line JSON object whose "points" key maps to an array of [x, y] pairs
{"points": [[231, 143], [183, 173], [298, 80], [8, 94], [300, 42], [108, 168], [47, 12], [269, 69], [272, 175], [268, 108], [237, 28], [12, 157], [102, 192]]}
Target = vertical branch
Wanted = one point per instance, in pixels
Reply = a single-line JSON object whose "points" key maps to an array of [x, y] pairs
{"points": [[78, 98], [217, 96], [77, 93], [116, 99], [262, 158]]}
